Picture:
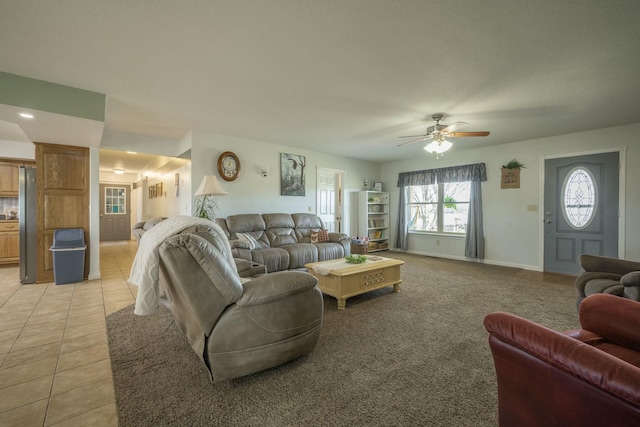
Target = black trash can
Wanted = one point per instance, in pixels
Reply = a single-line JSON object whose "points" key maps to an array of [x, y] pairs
{"points": [[68, 255]]}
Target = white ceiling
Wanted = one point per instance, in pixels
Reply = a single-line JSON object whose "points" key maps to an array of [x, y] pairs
{"points": [[338, 76], [135, 162]]}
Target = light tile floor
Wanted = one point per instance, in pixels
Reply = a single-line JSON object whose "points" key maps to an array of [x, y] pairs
{"points": [[54, 358]]}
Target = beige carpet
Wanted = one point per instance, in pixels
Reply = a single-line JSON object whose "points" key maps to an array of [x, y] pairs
{"points": [[415, 358]]}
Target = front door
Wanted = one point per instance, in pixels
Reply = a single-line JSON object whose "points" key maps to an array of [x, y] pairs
{"points": [[329, 198], [580, 210], [115, 212]]}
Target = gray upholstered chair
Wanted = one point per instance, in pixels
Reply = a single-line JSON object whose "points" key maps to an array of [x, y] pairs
{"points": [[237, 327], [608, 275], [140, 228]]}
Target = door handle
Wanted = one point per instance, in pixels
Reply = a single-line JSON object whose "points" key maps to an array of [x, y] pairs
{"points": [[547, 221]]}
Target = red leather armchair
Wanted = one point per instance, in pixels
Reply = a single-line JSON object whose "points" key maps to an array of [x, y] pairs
{"points": [[583, 377]]}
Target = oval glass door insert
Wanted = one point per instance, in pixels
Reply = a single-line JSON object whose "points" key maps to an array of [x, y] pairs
{"points": [[579, 198]]}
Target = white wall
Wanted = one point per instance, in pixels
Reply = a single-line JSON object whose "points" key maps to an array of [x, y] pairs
{"points": [[94, 214], [514, 235], [169, 204], [17, 150], [114, 178], [252, 193]]}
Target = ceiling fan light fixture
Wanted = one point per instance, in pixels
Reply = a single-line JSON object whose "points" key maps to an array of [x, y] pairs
{"points": [[438, 146], [438, 132], [431, 147]]}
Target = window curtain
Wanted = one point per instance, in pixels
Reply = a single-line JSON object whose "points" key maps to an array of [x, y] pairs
{"points": [[476, 173], [402, 230]]}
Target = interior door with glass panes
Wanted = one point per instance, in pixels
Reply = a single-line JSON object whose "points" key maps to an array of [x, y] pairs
{"points": [[115, 212]]}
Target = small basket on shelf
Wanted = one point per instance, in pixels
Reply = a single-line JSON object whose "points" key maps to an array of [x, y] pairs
{"points": [[360, 249], [360, 245]]}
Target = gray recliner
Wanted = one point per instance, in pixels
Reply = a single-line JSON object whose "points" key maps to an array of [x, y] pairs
{"points": [[237, 328], [608, 276]]}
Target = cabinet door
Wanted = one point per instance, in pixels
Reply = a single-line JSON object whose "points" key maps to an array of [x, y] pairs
{"points": [[9, 247], [9, 179]]}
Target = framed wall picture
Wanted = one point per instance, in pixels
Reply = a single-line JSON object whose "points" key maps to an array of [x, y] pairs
{"points": [[292, 178], [377, 186]]}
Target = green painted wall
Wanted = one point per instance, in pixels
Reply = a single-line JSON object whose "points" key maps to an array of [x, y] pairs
{"points": [[51, 97]]}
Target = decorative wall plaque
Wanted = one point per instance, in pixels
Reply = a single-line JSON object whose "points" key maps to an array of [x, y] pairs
{"points": [[510, 178]]}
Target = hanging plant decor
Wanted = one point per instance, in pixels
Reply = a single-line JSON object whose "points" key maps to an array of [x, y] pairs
{"points": [[514, 164], [511, 174]]}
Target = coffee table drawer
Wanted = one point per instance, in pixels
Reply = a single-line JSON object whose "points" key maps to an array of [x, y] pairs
{"points": [[379, 277]]}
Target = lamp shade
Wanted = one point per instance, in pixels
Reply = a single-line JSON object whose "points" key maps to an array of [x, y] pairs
{"points": [[210, 187], [439, 146]]}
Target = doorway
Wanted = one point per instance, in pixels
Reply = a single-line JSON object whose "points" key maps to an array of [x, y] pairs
{"points": [[115, 212], [581, 206], [330, 202]]}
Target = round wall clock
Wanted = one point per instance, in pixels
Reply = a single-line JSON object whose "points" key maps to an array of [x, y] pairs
{"points": [[228, 166]]}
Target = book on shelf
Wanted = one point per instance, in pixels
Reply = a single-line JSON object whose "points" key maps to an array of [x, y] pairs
{"points": [[373, 223], [377, 234]]}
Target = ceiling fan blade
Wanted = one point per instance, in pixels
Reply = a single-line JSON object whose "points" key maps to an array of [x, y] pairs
{"points": [[415, 140], [412, 136], [454, 127], [463, 134]]}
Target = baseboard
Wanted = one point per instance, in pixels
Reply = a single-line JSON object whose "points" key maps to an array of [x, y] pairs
{"points": [[479, 261]]}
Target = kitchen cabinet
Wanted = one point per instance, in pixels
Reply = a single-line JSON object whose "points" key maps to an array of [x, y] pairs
{"points": [[9, 242], [9, 179]]}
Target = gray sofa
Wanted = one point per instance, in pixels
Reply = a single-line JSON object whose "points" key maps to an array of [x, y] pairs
{"points": [[237, 327], [282, 241], [142, 227]]}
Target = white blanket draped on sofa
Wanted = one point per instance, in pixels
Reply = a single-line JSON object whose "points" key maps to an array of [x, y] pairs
{"points": [[144, 271]]}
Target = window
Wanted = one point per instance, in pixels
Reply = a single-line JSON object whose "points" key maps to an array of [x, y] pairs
{"points": [[439, 208], [579, 198], [114, 200]]}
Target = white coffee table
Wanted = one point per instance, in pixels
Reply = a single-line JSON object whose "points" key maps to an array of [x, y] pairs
{"points": [[342, 280]]}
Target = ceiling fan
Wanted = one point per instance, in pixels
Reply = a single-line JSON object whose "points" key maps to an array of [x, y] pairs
{"points": [[438, 133]]}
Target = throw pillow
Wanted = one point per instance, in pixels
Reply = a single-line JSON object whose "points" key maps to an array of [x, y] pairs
{"points": [[323, 236], [314, 236], [248, 239]]}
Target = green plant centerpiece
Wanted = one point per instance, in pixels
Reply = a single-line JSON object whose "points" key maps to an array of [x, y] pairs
{"points": [[356, 259]]}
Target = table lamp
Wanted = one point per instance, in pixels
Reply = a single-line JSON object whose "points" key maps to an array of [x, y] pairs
{"points": [[205, 207]]}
